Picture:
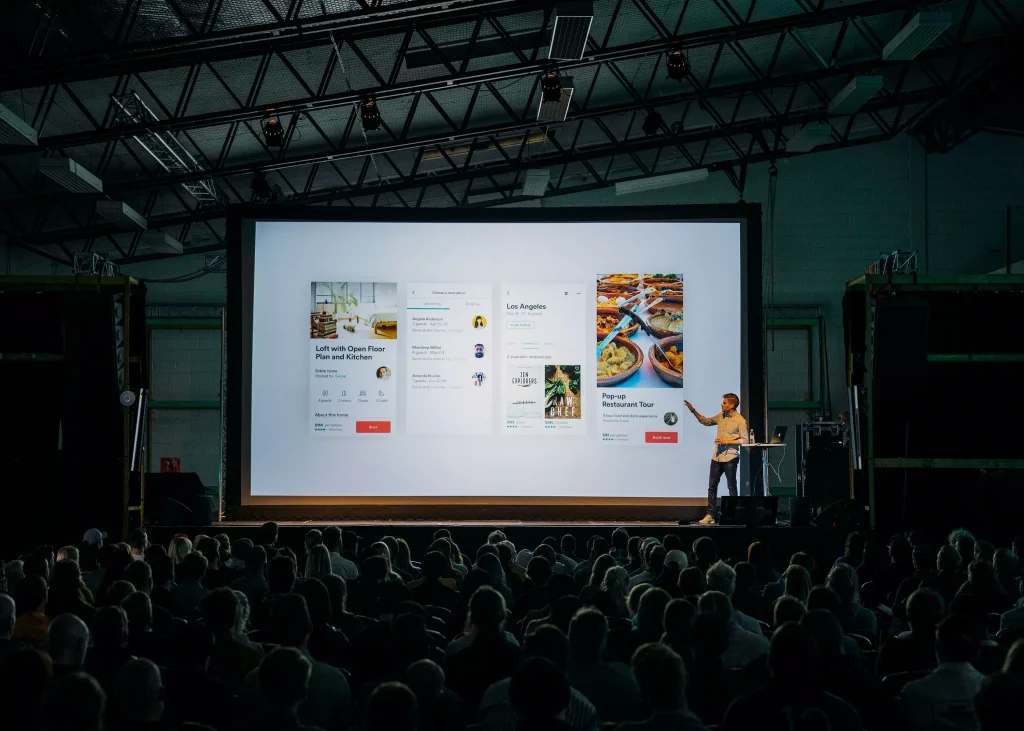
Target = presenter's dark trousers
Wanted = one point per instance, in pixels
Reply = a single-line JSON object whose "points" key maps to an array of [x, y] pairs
{"points": [[717, 470]]}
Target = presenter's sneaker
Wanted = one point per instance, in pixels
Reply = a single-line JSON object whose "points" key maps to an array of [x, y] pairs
{"points": [[707, 520]]}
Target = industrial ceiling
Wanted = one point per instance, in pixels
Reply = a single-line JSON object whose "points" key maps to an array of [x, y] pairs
{"points": [[163, 104]]}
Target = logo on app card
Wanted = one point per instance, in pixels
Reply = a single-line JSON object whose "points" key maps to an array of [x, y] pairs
{"points": [[562, 392]]}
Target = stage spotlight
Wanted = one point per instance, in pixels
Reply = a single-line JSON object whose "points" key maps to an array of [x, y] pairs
{"points": [[652, 122], [676, 63], [551, 87], [370, 115], [273, 132]]}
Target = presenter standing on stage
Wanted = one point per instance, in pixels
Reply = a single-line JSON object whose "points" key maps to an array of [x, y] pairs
{"points": [[732, 432]]}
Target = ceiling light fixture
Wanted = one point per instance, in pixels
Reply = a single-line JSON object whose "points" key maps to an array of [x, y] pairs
{"points": [[273, 132], [677, 65], [551, 87], [369, 113]]}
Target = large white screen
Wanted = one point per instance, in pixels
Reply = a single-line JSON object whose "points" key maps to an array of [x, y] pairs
{"points": [[460, 359]]}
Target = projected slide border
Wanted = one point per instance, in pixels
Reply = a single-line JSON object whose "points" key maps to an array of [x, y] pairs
{"points": [[241, 245]]}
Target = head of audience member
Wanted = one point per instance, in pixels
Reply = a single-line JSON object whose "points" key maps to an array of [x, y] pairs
{"points": [[289, 620], [787, 609], [721, 577], [900, 551], [972, 608], [793, 660], [827, 633], [210, 550], [598, 547], [567, 545], [1014, 661], [620, 540], [650, 617], [853, 549], [801, 558], [705, 552], [162, 571], [7, 616], [140, 575], [442, 533], [599, 568], [538, 692], [192, 569], [716, 602], [981, 575], [491, 564], [486, 615], [646, 549], [241, 630], [676, 560], [67, 641], [797, 582], [283, 677], [426, 679], [546, 552], [119, 591], [24, 676], [656, 562], [139, 610], [332, 538], [759, 553], [691, 582], [505, 553], [997, 704], [963, 541], [679, 615], [842, 579], [337, 590], [409, 639], [66, 582], [495, 537], [984, 551], [823, 597], [139, 692], [661, 676], [318, 601], [267, 535], [485, 549], [538, 571], [948, 559], [671, 542], [549, 642], [923, 557], [953, 640], [632, 548], [138, 540], [281, 575], [30, 595], [219, 608], [14, 572], [75, 702], [36, 564], [588, 636], [616, 585], [255, 561], [318, 562], [68, 553], [392, 707], [709, 637], [636, 594], [109, 630], [925, 609], [350, 541], [434, 565], [442, 546], [1007, 567]]}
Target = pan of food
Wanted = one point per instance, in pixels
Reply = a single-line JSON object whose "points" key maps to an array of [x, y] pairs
{"points": [[667, 359], [627, 279], [666, 318], [607, 318], [619, 360]]}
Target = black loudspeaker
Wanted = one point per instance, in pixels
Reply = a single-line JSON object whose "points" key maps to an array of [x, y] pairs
{"points": [[901, 344], [749, 510], [177, 498], [799, 512], [836, 516]]}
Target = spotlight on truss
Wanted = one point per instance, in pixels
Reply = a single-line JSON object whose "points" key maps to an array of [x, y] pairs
{"points": [[160, 243], [855, 94], [121, 215], [69, 175], [656, 182], [536, 183], [551, 87], [652, 123], [811, 135], [369, 114], [15, 131], [555, 108], [676, 64], [273, 132]]}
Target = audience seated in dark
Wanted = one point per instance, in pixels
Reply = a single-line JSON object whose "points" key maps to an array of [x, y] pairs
{"points": [[140, 696], [793, 699], [973, 610], [948, 580], [744, 647], [497, 712], [140, 575], [488, 658], [661, 675], [924, 568], [439, 708], [189, 590], [191, 694], [914, 650], [692, 584], [327, 643], [67, 642], [539, 695], [679, 615], [67, 592], [341, 618], [283, 685], [982, 582], [609, 686], [31, 621], [24, 676], [846, 678], [75, 702], [855, 618], [433, 589], [231, 660]]}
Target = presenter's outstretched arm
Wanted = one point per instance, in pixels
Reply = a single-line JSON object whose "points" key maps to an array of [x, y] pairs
{"points": [[702, 419]]}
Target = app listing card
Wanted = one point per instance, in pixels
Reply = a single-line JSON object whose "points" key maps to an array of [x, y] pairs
{"points": [[353, 331], [544, 386], [639, 356], [451, 359]]}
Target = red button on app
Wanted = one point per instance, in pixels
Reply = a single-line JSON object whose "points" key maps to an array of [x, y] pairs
{"points": [[373, 427], [661, 437]]}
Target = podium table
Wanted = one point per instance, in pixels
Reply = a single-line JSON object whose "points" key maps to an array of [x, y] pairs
{"points": [[764, 462]]}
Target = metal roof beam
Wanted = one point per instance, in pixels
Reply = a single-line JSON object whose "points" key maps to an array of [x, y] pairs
{"points": [[696, 39]]}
